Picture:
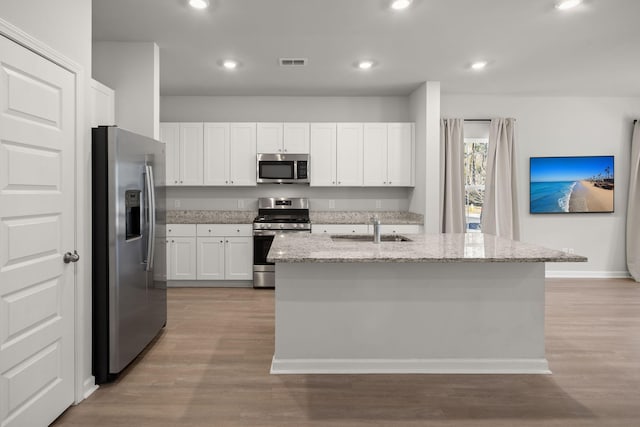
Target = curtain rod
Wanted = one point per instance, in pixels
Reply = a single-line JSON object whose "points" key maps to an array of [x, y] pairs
{"points": [[477, 120]]}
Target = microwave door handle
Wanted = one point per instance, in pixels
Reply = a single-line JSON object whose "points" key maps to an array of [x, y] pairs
{"points": [[151, 209]]}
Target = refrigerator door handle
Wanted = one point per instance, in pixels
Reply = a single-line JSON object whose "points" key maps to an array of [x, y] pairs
{"points": [[151, 206]]}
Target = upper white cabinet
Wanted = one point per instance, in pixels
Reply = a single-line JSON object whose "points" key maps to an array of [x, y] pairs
{"points": [[336, 154], [349, 154], [388, 154], [230, 154], [400, 154], [102, 105], [296, 138], [323, 154], [292, 138], [183, 152]]}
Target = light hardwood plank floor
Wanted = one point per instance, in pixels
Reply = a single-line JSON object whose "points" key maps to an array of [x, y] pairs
{"points": [[210, 367]]}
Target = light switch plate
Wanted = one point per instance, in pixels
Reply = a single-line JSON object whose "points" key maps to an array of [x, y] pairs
{"points": [[332, 204], [240, 204], [176, 203]]}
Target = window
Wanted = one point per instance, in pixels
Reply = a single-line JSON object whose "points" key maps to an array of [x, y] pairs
{"points": [[475, 172]]}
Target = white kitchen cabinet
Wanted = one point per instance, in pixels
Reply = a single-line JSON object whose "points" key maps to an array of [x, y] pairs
{"points": [[291, 138], [400, 154], [400, 229], [230, 154], [103, 100], [296, 138], [238, 255], [225, 252], [184, 164], [340, 229], [181, 251], [375, 155], [181, 258], [349, 153], [388, 154], [323, 154], [210, 265], [269, 137]]}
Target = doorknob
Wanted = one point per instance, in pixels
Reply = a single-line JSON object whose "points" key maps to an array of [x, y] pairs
{"points": [[71, 257]]}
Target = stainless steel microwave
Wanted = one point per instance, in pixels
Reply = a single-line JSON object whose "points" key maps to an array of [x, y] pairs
{"points": [[282, 169]]}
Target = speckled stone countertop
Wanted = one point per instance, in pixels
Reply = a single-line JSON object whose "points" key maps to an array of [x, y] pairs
{"points": [[364, 217], [471, 247], [210, 217]]}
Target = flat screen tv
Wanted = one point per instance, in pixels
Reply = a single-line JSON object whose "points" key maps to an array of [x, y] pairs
{"points": [[571, 184]]}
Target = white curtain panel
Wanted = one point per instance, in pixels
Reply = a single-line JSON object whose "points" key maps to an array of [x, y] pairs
{"points": [[452, 175], [633, 209], [500, 209]]}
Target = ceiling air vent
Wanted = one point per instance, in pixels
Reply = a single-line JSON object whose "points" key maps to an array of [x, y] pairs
{"points": [[293, 62]]}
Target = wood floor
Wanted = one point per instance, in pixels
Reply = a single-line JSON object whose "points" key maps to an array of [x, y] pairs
{"points": [[210, 367]]}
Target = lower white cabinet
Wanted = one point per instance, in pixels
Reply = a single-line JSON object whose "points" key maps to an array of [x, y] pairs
{"points": [[339, 228], [181, 258], [209, 252]]}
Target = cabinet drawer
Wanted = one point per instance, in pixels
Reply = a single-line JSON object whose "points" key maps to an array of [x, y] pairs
{"points": [[185, 230], [340, 228], [400, 229], [204, 230]]}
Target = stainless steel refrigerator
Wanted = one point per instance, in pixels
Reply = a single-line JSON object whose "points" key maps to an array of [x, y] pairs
{"points": [[129, 249]]}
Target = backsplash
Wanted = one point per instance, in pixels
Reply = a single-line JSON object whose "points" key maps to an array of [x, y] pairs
{"points": [[320, 198]]}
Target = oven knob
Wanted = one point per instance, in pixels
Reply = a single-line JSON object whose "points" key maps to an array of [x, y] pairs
{"points": [[268, 225], [295, 225], [281, 225]]}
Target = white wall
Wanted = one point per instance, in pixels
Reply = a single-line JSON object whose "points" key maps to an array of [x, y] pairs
{"points": [[65, 25], [132, 70], [566, 127], [286, 108]]}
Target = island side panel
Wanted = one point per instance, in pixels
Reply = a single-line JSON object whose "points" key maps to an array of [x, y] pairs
{"points": [[409, 317]]}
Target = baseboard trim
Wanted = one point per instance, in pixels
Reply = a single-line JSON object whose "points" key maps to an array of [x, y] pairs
{"points": [[210, 283], [409, 366], [89, 387], [577, 274]]}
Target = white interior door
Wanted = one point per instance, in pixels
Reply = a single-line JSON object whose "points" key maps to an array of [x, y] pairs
{"points": [[37, 191]]}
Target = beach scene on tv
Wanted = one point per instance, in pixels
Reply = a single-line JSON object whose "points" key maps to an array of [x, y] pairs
{"points": [[571, 184]]}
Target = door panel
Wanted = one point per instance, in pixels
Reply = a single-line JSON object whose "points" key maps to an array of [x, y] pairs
{"points": [[375, 154], [323, 154], [210, 258], [191, 163], [238, 258], [37, 189], [349, 154], [216, 156], [269, 137], [242, 154], [183, 258], [400, 154], [296, 138], [170, 135]]}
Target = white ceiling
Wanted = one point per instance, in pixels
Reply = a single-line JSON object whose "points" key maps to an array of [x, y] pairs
{"points": [[532, 48]]}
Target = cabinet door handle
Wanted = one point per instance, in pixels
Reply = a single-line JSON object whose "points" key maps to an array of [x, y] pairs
{"points": [[226, 241], [232, 182], [226, 182], [390, 182], [209, 230], [285, 150], [173, 241], [221, 241], [333, 182], [175, 182]]}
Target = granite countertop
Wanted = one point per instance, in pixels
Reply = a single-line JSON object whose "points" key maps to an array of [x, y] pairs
{"points": [[317, 217], [471, 247], [210, 217], [364, 217]]}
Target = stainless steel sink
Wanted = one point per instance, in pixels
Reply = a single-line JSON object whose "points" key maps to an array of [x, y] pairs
{"points": [[369, 238]]}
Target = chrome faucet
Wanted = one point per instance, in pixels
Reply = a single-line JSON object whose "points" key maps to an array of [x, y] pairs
{"points": [[376, 228]]}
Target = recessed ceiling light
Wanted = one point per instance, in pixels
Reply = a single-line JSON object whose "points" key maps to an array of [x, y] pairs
{"points": [[230, 64], [365, 65], [478, 65], [567, 4], [400, 4], [199, 4]]}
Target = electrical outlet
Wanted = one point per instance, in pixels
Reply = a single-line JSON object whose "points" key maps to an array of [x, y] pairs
{"points": [[176, 203], [240, 204], [570, 251], [332, 204], [378, 204]]}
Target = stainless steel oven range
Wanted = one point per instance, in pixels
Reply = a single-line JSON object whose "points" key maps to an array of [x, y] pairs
{"points": [[276, 218]]}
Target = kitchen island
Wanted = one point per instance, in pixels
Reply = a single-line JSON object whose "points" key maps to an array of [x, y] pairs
{"points": [[441, 303]]}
